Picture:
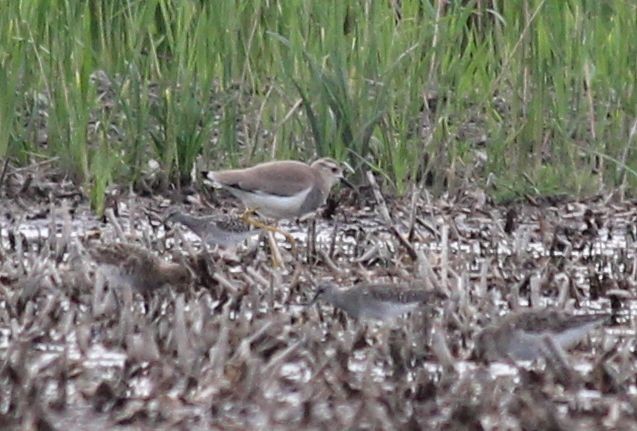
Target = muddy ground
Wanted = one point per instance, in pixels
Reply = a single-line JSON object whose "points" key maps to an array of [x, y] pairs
{"points": [[237, 350]]}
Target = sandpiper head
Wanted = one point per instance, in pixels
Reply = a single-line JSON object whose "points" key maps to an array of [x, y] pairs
{"points": [[179, 275], [323, 289], [330, 170], [172, 216]]}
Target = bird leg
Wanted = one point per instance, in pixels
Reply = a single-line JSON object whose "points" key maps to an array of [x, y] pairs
{"points": [[247, 217], [277, 259]]}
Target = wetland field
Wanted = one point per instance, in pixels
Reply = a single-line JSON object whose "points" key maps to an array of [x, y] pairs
{"points": [[492, 151], [239, 349]]}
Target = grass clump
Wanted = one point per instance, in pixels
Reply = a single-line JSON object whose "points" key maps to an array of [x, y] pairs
{"points": [[442, 93]]}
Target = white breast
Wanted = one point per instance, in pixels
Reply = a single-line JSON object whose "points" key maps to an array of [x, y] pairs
{"points": [[271, 205]]}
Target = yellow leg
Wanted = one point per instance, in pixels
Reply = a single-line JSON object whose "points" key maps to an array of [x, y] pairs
{"points": [[277, 259], [247, 218]]}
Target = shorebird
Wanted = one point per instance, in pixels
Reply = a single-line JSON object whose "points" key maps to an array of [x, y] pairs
{"points": [[281, 189], [523, 335], [222, 230], [137, 267], [380, 301]]}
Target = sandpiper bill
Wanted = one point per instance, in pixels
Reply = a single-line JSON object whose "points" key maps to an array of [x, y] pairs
{"points": [[379, 301], [137, 267], [222, 230], [524, 335]]}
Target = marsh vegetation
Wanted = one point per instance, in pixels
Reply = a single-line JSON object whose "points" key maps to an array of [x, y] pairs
{"points": [[493, 152]]}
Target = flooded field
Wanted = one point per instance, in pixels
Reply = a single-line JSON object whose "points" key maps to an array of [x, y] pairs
{"points": [[238, 349]]}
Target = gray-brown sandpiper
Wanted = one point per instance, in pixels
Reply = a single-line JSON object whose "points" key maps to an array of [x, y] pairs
{"points": [[133, 265], [523, 335], [380, 301], [223, 230]]}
